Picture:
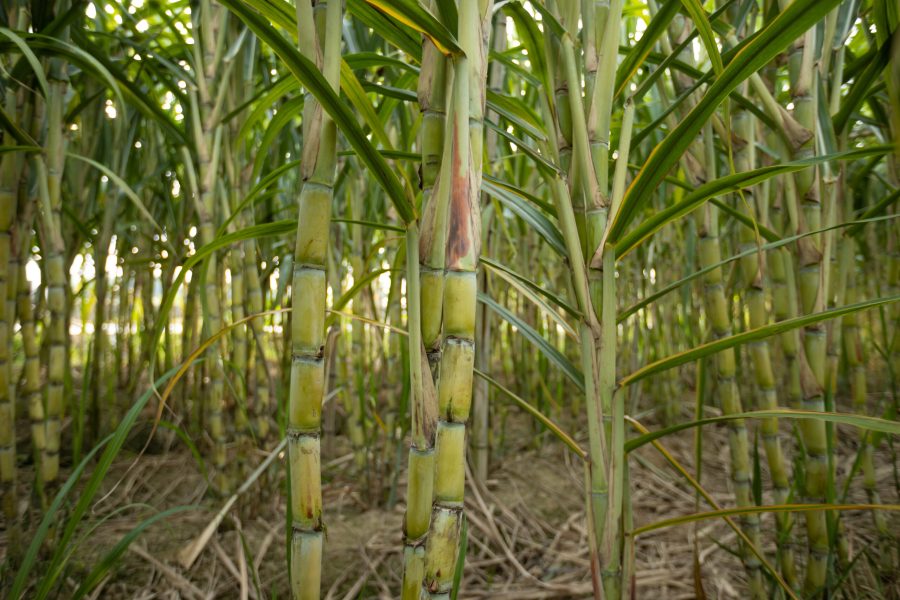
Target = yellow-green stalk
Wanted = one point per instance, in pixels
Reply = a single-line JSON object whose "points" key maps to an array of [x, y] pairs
{"points": [[258, 368], [856, 367], [210, 21], [424, 289], [354, 344], [807, 205], [32, 368], [49, 176], [8, 204], [460, 286], [432, 93], [423, 417], [753, 272], [480, 401], [718, 314], [320, 40]]}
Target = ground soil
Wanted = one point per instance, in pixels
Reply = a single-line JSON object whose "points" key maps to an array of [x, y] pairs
{"points": [[526, 527]]}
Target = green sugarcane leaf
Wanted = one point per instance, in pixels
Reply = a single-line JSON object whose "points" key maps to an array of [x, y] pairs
{"points": [[391, 154], [257, 192], [17, 132], [777, 242], [799, 16], [248, 233], [752, 335], [24, 149], [859, 89], [94, 60], [752, 510], [552, 354], [701, 22], [350, 294], [371, 224], [540, 417], [528, 291], [664, 61], [655, 29], [876, 210], [742, 218], [756, 483], [32, 59], [515, 67], [533, 41], [287, 112], [313, 80], [387, 28], [654, 126], [412, 14], [390, 91], [724, 185], [516, 112], [546, 167], [369, 60], [122, 185], [84, 59], [508, 273], [548, 19], [545, 206], [266, 103], [528, 213]]}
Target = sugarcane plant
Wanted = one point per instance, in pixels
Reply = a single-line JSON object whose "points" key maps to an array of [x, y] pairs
{"points": [[369, 239]]}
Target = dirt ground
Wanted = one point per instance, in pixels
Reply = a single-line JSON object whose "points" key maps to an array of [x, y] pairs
{"points": [[526, 528]]}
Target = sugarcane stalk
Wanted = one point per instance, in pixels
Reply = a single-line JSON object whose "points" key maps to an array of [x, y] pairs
{"points": [[480, 400], [804, 199], [753, 273], [434, 77], [454, 387], [728, 395], [425, 289], [423, 417], [258, 366], [8, 280], [320, 40], [211, 21]]}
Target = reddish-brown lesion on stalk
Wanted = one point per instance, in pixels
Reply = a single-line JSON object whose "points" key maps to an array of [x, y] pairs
{"points": [[464, 239]]}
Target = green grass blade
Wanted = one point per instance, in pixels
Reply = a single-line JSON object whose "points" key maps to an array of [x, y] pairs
{"points": [[109, 560], [86, 496]]}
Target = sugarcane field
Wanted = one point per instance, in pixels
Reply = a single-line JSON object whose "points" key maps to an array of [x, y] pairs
{"points": [[450, 299]]}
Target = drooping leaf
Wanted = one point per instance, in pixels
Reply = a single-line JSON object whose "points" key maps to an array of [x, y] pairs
{"points": [[313, 80], [752, 335], [799, 16], [552, 354]]}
